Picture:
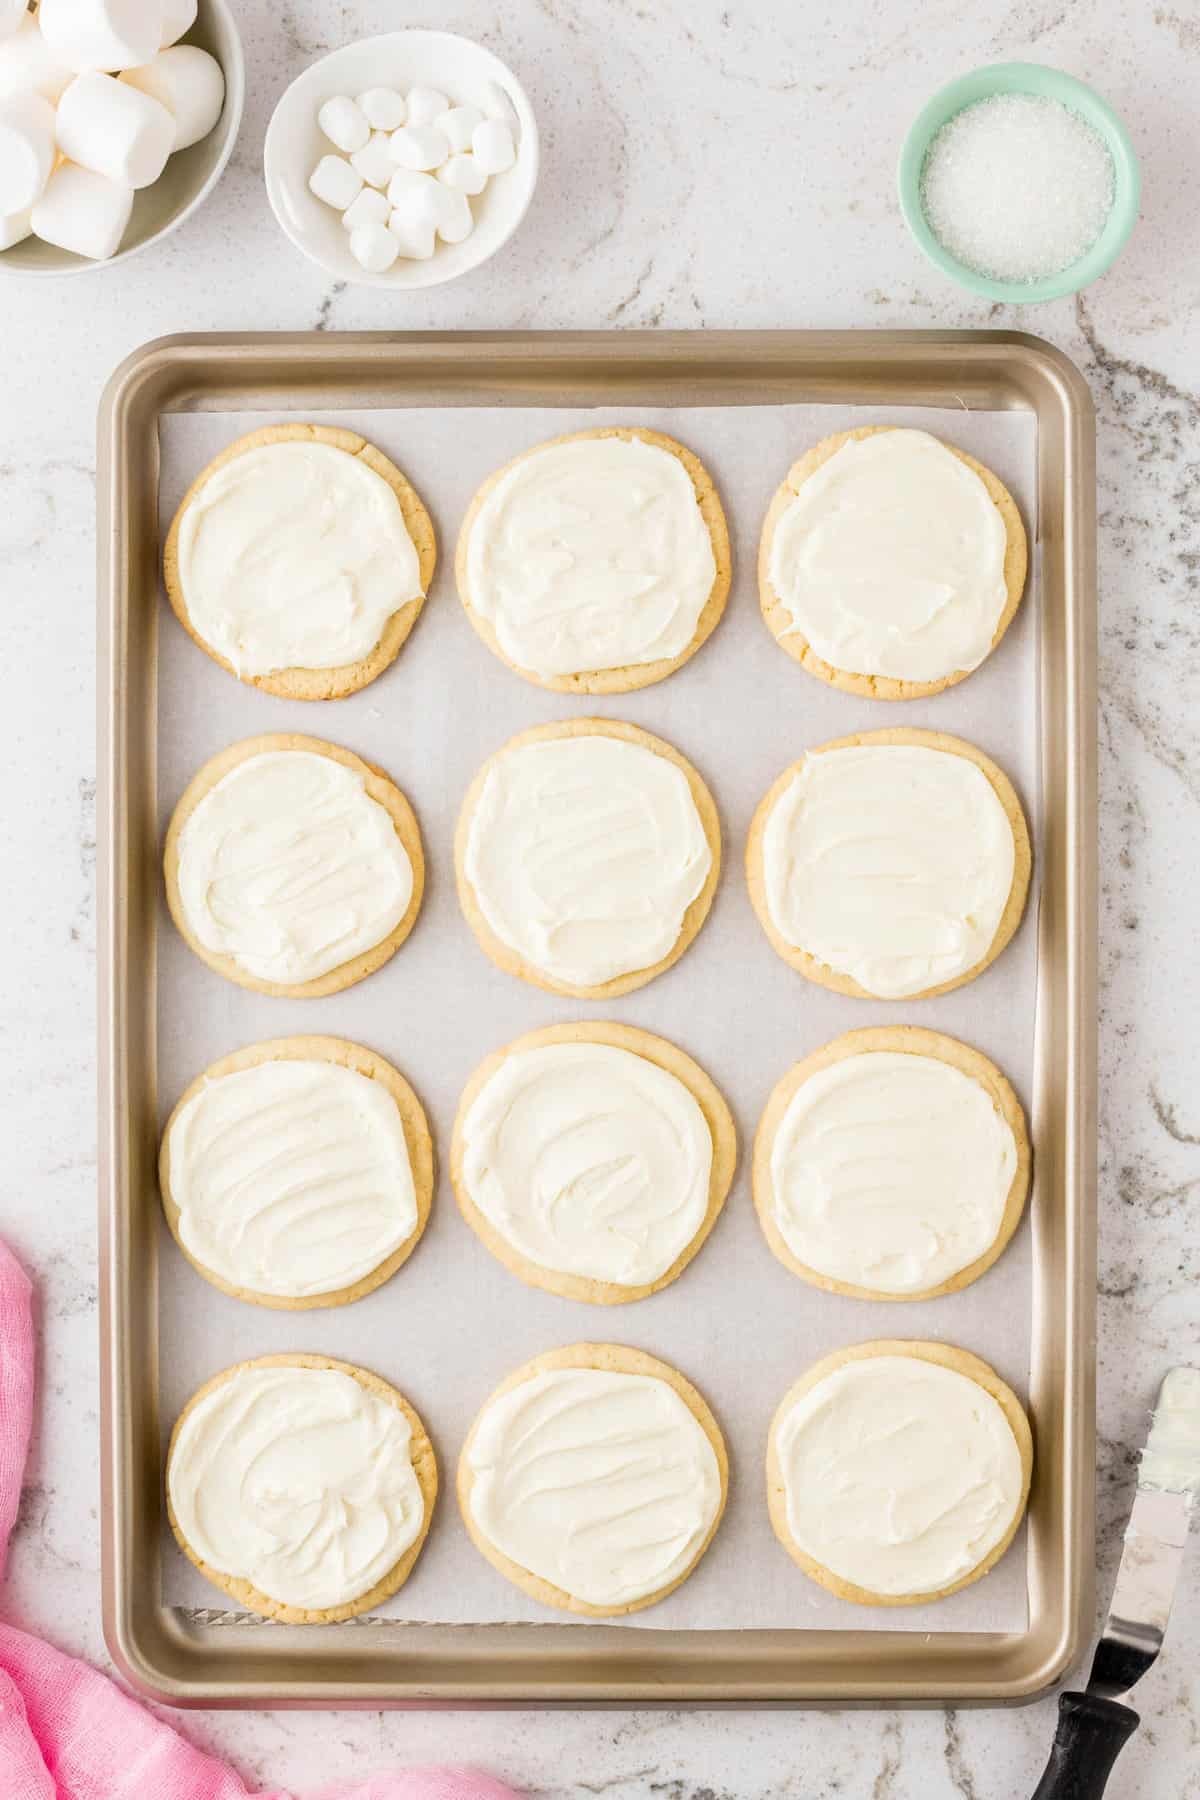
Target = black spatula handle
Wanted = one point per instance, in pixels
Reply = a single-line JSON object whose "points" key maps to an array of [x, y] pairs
{"points": [[1091, 1735]]}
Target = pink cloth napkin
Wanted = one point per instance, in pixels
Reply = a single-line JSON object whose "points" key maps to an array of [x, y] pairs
{"points": [[69, 1733]]}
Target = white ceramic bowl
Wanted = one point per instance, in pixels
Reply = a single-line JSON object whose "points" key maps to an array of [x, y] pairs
{"points": [[470, 76], [188, 178]]}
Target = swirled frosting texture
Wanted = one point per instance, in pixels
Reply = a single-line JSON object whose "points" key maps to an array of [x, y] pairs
{"points": [[900, 1475], [589, 1160], [890, 559], [299, 1481], [891, 1171], [601, 1483], [288, 866], [294, 556], [890, 863], [291, 1178], [584, 854], [591, 555]]}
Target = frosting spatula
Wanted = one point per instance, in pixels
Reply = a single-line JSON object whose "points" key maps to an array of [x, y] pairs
{"points": [[1094, 1726]]}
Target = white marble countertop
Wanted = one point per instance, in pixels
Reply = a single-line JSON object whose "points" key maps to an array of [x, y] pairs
{"points": [[704, 165]]}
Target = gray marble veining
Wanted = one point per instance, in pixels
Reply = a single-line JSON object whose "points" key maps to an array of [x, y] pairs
{"points": [[704, 165]]}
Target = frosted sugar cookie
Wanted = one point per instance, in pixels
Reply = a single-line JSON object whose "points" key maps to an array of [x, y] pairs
{"points": [[890, 865], [301, 1486], [630, 1483], [597, 562], [299, 560], [593, 1160], [297, 1173], [891, 1164], [891, 564], [898, 1471], [293, 866], [588, 854]]}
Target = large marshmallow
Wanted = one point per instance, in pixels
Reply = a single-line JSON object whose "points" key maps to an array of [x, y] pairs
{"points": [[335, 182], [374, 247], [14, 229], [26, 150], [103, 34], [178, 16], [493, 148], [83, 211], [463, 174], [418, 147], [189, 83], [29, 65], [13, 11], [415, 200], [456, 221], [115, 130], [384, 108], [374, 161], [415, 241], [425, 104], [344, 123], [370, 208], [457, 125]]}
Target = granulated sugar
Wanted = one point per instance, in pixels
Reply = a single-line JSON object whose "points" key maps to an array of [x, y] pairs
{"points": [[1017, 187]]}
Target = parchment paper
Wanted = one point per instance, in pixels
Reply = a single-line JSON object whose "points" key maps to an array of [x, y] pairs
{"points": [[454, 1321]]}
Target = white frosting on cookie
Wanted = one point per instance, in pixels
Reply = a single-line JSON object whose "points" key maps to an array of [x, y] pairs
{"points": [[295, 556], [601, 1483], [891, 863], [589, 1160], [291, 868], [291, 1178], [890, 559], [900, 1475], [891, 1171], [584, 854], [299, 1481], [590, 555]]}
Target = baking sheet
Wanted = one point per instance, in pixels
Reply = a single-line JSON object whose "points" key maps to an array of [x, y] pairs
{"points": [[454, 1321]]}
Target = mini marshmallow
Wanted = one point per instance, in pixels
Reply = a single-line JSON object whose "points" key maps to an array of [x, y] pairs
{"points": [[103, 34], [11, 14], [416, 200], [418, 146], [425, 104], [178, 16], [463, 173], [189, 83], [29, 66], [14, 228], [415, 241], [114, 130], [384, 108], [371, 208], [26, 150], [344, 124], [457, 125], [374, 161], [493, 147], [455, 218], [83, 211], [374, 247], [335, 182]]}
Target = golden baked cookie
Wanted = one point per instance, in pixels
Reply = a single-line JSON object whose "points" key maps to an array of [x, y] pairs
{"points": [[621, 1360], [633, 675], [663, 1055], [947, 1356], [379, 787], [508, 959], [810, 966], [316, 684], [779, 619], [424, 1465], [417, 1139], [913, 1041]]}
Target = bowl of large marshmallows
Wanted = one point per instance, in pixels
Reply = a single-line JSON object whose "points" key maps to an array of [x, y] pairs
{"points": [[116, 120], [403, 160]]}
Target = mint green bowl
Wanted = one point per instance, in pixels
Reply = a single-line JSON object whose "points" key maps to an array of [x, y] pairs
{"points": [[1022, 78]]}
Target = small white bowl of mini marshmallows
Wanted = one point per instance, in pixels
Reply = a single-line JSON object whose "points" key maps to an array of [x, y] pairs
{"points": [[109, 124], [404, 160]]}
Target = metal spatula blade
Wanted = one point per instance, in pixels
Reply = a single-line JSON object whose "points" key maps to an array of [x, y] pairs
{"points": [[1093, 1726]]}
